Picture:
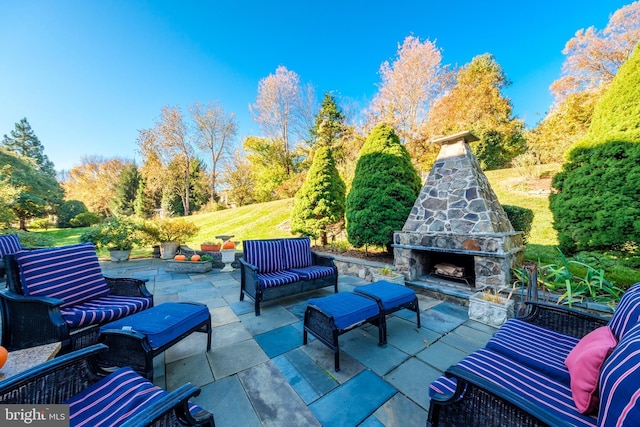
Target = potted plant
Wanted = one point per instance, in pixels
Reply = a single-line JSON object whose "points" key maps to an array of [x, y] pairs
{"points": [[190, 264], [490, 307], [388, 274], [169, 234], [117, 234], [210, 246]]}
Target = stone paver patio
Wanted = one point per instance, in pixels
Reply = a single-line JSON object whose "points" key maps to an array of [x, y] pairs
{"points": [[259, 373]]}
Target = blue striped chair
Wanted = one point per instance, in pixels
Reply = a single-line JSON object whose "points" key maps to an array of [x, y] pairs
{"points": [[60, 294], [9, 244], [97, 398]]}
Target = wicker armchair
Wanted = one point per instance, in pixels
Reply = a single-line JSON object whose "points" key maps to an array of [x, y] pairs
{"points": [[31, 320], [479, 402], [59, 380]]}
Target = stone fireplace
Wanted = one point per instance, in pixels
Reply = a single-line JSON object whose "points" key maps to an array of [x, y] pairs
{"points": [[457, 230]]}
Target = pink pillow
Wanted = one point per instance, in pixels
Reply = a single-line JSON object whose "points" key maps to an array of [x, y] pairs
{"points": [[584, 362]]}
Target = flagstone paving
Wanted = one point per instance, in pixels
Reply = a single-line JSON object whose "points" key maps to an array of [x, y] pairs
{"points": [[258, 373]]}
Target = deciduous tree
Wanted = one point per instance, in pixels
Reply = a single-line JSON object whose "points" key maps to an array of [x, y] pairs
{"points": [[476, 103], [321, 200], [215, 134], [594, 56], [282, 109], [409, 87]]}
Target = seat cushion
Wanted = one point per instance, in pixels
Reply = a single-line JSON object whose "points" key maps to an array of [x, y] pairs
{"points": [[391, 295], [103, 309], [533, 386], [9, 244], [346, 309], [70, 273], [266, 255], [619, 383], [164, 322], [536, 347], [627, 312], [114, 399], [297, 253], [277, 278], [313, 272]]}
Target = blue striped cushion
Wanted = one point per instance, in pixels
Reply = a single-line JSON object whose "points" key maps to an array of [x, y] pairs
{"points": [[264, 254], [103, 309], [627, 313], [347, 309], [297, 253], [620, 383], [165, 322], [391, 295], [537, 388], [114, 399], [9, 244], [443, 386], [313, 272], [70, 273], [277, 278], [535, 347]]}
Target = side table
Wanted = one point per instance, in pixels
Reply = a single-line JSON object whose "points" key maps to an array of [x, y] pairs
{"points": [[20, 360]]}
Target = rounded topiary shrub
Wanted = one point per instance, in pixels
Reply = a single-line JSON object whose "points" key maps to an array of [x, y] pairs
{"points": [[520, 218], [597, 202], [384, 188]]}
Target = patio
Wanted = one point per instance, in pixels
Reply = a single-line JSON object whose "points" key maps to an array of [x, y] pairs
{"points": [[259, 373]]}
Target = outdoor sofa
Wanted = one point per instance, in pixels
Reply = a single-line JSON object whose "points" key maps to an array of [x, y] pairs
{"points": [[275, 268], [99, 398], [555, 367], [60, 294]]}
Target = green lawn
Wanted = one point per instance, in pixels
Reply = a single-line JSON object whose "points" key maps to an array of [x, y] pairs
{"points": [[271, 219]]}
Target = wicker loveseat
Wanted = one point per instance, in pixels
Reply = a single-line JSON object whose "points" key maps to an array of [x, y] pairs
{"points": [[556, 367], [122, 398], [60, 294], [275, 268]]}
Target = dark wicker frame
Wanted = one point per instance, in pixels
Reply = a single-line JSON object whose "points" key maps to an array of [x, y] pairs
{"points": [[131, 348], [30, 321], [250, 286], [323, 327], [477, 402], [57, 380]]}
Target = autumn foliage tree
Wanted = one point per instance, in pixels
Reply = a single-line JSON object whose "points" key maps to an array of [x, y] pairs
{"points": [[383, 191], [597, 203], [320, 201], [409, 87], [476, 103]]}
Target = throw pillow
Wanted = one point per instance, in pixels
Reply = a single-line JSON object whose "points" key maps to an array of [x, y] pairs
{"points": [[584, 363]]}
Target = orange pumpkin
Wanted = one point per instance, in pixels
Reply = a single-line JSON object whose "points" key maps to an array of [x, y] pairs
{"points": [[195, 257], [3, 356], [229, 245], [180, 258]]}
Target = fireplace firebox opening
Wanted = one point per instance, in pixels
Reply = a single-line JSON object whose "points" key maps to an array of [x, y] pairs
{"points": [[455, 267]]}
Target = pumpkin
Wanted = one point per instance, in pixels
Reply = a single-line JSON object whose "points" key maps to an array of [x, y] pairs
{"points": [[229, 245], [180, 258], [195, 257], [3, 356]]}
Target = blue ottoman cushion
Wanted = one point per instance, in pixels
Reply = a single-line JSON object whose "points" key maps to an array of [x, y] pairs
{"points": [[346, 309], [390, 294], [165, 322]]}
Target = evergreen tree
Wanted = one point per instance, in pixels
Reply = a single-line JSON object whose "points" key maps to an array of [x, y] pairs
{"points": [[329, 123], [126, 191], [597, 203], [320, 201], [384, 189], [24, 143]]}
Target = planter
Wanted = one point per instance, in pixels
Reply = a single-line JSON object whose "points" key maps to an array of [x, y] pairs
{"points": [[228, 257], [490, 313], [395, 278], [209, 248], [168, 250], [118, 255], [189, 266]]}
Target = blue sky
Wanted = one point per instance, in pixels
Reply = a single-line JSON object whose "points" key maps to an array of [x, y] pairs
{"points": [[89, 74]]}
